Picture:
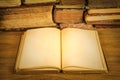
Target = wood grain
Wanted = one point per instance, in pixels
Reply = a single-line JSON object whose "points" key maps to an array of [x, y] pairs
{"points": [[110, 41]]}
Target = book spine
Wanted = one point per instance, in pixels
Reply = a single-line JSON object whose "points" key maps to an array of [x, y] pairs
{"points": [[68, 15], [9, 3]]}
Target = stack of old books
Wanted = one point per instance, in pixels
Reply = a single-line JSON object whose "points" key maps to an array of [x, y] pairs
{"points": [[103, 12], [26, 14]]}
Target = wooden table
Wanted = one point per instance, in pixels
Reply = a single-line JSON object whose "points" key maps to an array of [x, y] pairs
{"points": [[110, 41]]}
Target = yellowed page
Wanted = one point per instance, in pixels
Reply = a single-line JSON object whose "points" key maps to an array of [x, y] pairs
{"points": [[41, 49], [81, 50]]}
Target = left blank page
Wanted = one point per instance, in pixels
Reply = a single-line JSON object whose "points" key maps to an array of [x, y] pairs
{"points": [[81, 50], [41, 49]]}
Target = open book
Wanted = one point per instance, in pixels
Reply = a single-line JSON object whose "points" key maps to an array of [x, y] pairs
{"points": [[52, 49]]}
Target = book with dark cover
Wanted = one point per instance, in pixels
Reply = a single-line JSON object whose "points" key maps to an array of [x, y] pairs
{"points": [[103, 4], [73, 2]]}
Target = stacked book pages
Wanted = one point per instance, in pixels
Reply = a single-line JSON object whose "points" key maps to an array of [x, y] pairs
{"points": [[103, 16]]}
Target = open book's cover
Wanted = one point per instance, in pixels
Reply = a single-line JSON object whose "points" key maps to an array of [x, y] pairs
{"points": [[72, 50], [26, 17], [10, 3]]}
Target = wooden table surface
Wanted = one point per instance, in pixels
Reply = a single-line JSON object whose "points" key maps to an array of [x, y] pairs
{"points": [[110, 41]]}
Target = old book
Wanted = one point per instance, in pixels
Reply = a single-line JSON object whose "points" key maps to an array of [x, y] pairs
{"points": [[52, 49], [26, 17], [103, 3], [103, 16], [106, 26], [82, 26], [73, 2], [10, 3], [39, 1], [68, 14]]}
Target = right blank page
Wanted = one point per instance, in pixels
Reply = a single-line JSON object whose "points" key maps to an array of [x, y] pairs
{"points": [[81, 50]]}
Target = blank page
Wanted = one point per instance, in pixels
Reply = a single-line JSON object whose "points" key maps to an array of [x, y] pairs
{"points": [[41, 49], [81, 50]]}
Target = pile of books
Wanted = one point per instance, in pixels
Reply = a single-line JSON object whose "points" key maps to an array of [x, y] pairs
{"points": [[103, 12], [19, 14], [61, 45]]}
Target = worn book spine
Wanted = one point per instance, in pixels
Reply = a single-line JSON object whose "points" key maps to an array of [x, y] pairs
{"points": [[107, 26], [40, 1], [103, 4], [67, 14], [82, 26], [9, 3], [73, 2], [26, 17]]}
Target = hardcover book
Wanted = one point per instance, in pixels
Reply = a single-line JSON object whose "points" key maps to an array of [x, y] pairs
{"points": [[68, 14], [10, 3], [103, 4], [26, 17], [52, 49], [39, 1], [73, 2]]}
